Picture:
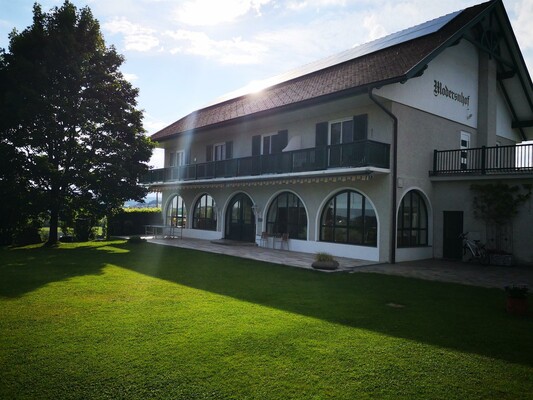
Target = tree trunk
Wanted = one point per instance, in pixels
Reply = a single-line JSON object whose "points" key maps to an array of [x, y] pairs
{"points": [[107, 230], [54, 221], [54, 216]]}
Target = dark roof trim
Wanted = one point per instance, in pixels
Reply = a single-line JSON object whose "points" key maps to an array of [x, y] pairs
{"points": [[527, 86], [522, 124], [456, 37]]}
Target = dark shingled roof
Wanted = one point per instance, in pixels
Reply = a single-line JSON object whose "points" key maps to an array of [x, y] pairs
{"points": [[392, 64]]}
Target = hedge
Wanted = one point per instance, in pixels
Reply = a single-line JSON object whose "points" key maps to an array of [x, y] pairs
{"points": [[132, 221]]}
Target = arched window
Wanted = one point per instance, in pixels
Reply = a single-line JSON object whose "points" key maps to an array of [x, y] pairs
{"points": [[349, 218], [412, 221], [287, 214], [176, 213], [205, 215]]}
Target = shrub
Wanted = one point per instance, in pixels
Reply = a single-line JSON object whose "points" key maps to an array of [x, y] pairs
{"points": [[324, 257], [28, 234], [132, 221], [136, 239], [82, 229]]}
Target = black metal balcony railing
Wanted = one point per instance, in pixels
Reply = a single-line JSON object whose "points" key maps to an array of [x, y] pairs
{"points": [[362, 153], [484, 160]]}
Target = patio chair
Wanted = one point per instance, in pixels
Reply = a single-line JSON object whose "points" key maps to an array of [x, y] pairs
{"points": [[283, 240], [263, 241]]}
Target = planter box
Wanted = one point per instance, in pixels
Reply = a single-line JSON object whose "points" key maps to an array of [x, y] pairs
{"points": [[325, 265], [501, 259]]}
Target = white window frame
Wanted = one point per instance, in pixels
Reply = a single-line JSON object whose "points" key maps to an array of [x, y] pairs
{"points": [[222, 153], [270, 135], [180, 158], [337, 121], [467, 138]]}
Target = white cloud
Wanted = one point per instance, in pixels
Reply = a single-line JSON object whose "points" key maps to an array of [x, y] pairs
{"points": [[298, 5], [522, 24], [375, 30], [152, 125], [213, 12], [136, 37], [130, 77], [234, 51]]}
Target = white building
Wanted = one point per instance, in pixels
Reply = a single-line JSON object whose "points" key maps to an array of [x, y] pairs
{"points": [[368, 154]]}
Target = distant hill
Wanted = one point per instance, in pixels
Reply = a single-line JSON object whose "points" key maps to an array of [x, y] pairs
{"points": [[149, 201]]}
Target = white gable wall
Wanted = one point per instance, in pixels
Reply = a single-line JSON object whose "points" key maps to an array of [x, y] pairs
{"points": [[448, 88], [504, 121]]}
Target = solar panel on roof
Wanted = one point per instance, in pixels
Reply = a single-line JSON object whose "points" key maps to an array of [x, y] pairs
{"points": [[393, 39]]}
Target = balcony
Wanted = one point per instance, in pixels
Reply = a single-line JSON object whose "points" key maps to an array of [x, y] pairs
{"points": [[499, 160], [364, 153]]}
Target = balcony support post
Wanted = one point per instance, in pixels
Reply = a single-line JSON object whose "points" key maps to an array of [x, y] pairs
{"points": [[394, 171]]}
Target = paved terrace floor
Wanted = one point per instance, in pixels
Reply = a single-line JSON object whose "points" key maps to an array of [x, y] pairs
{"points": [[438, 270]]}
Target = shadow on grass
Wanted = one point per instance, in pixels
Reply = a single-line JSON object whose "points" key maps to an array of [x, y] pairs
{"points": [[25, 269], [464, 318]]}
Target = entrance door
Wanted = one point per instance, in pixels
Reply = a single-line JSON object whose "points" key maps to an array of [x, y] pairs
{"points": [[465, 145], [240, 220], [452, 245]]}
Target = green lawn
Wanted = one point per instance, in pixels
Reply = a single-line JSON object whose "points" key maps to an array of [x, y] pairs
{"points": [[112, 320]]}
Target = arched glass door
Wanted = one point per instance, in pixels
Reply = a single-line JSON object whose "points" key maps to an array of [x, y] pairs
{"points": [[240, 220]]}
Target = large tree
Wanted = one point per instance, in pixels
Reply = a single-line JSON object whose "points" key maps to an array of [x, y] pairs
{"points": [[71, 115]]}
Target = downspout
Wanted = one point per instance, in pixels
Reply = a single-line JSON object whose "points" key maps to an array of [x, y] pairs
{"points": [[394, 175]]}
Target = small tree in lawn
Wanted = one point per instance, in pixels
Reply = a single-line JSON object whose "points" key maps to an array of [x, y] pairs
{"points": [[497, 204], [69, 112]]}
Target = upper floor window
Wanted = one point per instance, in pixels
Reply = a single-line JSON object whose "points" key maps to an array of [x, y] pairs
{"points": [[267, 143], [342, 131], [412, 221], [219, 151], [177, 158], [348, 217], [270, 143], [176, 213], [287, 214], [205, 214]]}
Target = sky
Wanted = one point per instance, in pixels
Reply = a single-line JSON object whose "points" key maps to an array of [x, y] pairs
{"points": [[184, 54]]}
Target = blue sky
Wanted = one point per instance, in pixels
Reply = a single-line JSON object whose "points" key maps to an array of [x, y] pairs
{"points": [[183, 54]]}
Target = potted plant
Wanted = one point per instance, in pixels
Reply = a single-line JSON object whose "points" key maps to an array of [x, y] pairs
{"points": [[325, 261], [516, 299]]}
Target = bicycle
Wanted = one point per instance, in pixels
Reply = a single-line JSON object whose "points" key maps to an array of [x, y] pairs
{"points": [[476, 249]]}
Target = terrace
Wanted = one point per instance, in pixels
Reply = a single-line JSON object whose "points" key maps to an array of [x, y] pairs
{"points": [[498, 160]]}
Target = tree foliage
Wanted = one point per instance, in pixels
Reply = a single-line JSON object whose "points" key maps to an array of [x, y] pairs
{"points": [[498, 203], [69, 118]]}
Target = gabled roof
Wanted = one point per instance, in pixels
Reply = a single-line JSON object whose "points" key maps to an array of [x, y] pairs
{"points": [[392, 59]]}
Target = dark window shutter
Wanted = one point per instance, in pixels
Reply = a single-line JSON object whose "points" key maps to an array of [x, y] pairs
{"points": [[360, 127], [282, 140], [209, 153], [187, 156], [256, 145], [279, 141], [321, 134], [229, 150]]}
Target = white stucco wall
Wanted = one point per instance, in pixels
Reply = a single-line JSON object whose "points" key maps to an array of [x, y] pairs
{"points": [[456, 68]]}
